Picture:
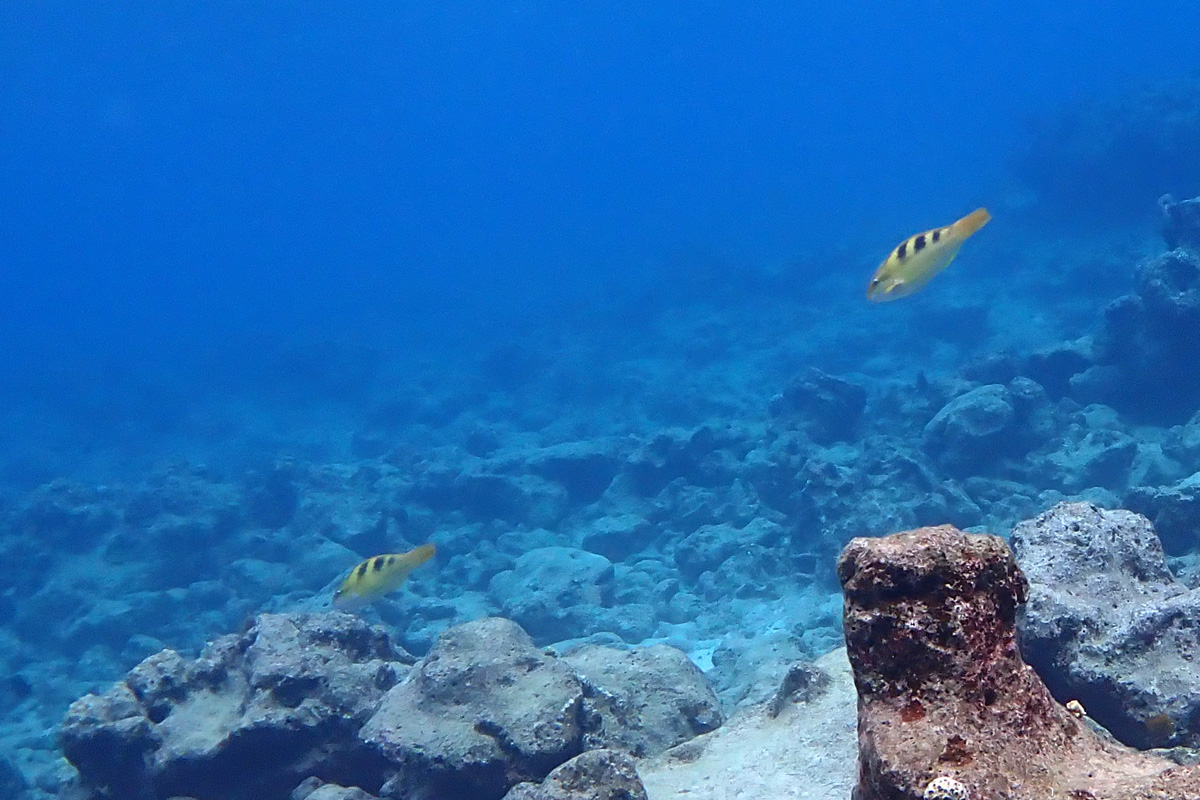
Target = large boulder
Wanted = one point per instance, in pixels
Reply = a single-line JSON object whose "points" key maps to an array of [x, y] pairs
{"points": [[483, 711], [826, 407], [1150, 343], [554, 592], [252, 717], [1108, 625], [947, 708], [643, 701], [978, 428]]}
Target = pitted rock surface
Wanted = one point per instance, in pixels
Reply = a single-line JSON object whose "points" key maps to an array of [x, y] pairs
{"points": [[929, 620], [594, 775], [252, 717], [1107, 623]]}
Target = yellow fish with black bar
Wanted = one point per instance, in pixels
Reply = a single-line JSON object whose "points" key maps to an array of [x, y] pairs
{"points": [[377, 576], [918, 258]]}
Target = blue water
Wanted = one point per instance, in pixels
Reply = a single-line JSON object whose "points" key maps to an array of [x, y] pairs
{"points": [[402, 239], [179, 181]]}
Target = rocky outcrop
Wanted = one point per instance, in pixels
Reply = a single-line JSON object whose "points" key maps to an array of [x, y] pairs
{"points": [[484, 710], [252, 717], [1150, 340], [643, 701], [1174, 509], [325, 706], [944, 696], [826, 407], [1108, 625], [1180, 221]]}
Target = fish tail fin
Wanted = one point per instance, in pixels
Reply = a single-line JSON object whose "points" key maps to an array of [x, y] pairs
{"points": [[972, 222], [419, 555]]}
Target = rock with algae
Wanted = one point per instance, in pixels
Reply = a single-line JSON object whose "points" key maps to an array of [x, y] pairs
{"points": [[943, 691]]}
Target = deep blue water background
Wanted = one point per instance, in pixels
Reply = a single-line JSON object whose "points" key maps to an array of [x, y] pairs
{"points": [[186, 188], [288, 285]]}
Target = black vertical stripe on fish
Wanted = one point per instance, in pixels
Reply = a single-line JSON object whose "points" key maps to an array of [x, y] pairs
{"points": [[390, 560], [919, 242], [937, 235], [379, 562], [901, 251], [362, 568]]}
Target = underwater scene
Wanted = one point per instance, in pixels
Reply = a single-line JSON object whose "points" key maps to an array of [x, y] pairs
{"points": [[564, 401]]}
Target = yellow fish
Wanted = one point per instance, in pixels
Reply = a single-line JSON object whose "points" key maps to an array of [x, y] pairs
{"points": [[377, 576], [917, 259]]}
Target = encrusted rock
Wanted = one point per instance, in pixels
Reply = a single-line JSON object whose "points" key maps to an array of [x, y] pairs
{"points": [[594, 775], [1108, 624], [484, 710], [929, 621]]}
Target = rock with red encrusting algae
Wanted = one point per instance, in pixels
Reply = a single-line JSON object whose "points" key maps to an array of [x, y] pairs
{"points": [[943, 692]]}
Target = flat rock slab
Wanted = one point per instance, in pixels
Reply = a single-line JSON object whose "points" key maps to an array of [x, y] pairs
{"points": [[807, 752]]}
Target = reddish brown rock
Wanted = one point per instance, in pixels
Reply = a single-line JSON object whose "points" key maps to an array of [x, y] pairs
{"points": [[942, 689]]}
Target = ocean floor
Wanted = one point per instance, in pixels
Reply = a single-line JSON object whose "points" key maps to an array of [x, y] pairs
{"points": [[681, 471]]}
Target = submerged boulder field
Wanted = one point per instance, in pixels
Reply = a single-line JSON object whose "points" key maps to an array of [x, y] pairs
{"points": [[331, 698]]}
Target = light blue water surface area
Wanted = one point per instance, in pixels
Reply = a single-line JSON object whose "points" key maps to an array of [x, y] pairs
{"points": [[574, 290]]}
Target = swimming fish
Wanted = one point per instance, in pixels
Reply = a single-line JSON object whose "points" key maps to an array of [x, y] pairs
{"points": [[377, 576], [917, 259]]}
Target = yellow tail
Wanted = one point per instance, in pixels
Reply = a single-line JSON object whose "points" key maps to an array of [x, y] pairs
{"points": [[420, 555], [972, 222]]}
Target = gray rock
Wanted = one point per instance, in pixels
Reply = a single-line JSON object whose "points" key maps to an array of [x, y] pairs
{"points": [[1098, 457], [1107, 624], [711, 545], [618, 537], [828, 408], [594, 775], [747, 670], [484, 710], [643, 701], [970, 431], [314, 789], [1149, 343], [584, 468], [552, 592], [250, 718], [1174, 509]]}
